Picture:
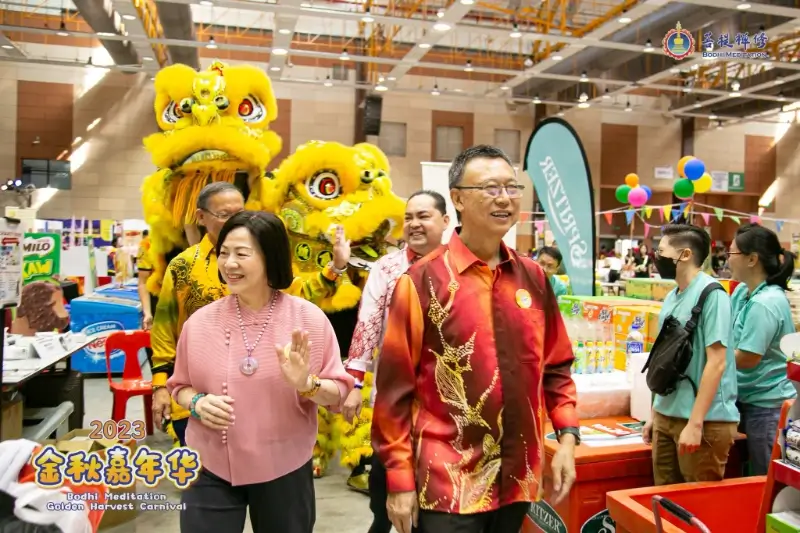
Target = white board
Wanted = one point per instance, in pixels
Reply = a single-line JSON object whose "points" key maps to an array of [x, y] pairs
{"points": [[435, 178]]}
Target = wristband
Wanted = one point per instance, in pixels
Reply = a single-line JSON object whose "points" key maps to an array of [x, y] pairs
{"points": [[358, 386], [316, 383], [193, 404]]}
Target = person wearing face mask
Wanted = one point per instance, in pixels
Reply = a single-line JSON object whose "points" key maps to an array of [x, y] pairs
{"points": [[550, 260], [426, 220], [691, 431], [761, 317]]}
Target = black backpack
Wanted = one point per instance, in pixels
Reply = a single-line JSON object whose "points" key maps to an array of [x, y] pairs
{"points": [[672, 351]]}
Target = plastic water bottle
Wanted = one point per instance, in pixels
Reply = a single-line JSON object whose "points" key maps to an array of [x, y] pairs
{"points": [[609, 357], [580, 359], [634, 343], [591, 358]]}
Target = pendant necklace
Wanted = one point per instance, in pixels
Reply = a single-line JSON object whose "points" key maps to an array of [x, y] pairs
{"points": [[249, 365]]}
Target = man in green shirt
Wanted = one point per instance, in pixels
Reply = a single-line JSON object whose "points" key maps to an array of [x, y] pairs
{"points": [[691, 435], [550, 260]]}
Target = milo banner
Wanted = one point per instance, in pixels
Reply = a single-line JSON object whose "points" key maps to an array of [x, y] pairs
{"points": [[557, 165], [41, 259]]}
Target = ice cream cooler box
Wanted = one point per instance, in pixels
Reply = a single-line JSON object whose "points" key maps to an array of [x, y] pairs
{"points": [[101, 316]]}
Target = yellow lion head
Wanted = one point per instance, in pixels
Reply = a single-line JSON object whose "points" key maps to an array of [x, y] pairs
{"points": [[325, 184]]}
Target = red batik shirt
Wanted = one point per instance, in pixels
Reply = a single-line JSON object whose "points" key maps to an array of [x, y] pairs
{"points": [[470, 360]]}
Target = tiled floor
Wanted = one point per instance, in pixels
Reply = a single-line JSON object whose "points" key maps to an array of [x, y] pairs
{"points": [[339, 510]]}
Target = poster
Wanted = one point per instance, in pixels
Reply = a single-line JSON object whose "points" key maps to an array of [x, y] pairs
{"points": [[10, 262], [41, 257]]}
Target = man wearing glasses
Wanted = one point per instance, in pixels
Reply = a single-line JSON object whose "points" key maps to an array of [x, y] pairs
{"points": [[192, 281], [475, 353]]}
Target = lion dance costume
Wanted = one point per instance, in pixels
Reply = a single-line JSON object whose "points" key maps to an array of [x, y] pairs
{"points": [[216, 128]]}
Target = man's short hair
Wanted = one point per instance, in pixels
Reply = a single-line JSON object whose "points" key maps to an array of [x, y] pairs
{"points": [[438, 199], [553, 252], [481, 151], [213, 189], [692, 237]]}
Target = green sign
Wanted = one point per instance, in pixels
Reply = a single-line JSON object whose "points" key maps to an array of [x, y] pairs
{"points": [[546, 518], [735, 181], [41, 257], [600, 523]]}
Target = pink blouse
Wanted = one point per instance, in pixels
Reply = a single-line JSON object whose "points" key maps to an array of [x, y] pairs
{"points": [[275, 428]]}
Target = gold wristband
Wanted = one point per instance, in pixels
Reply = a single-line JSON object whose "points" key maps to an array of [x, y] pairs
{"points": [[316, 383], [328, 273]]}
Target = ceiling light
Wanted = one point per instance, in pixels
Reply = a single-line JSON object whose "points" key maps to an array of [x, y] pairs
{"points": [[206, 3], [105, 34], [275, 69], [648, 46], [584, 78], [8, 47], [781, 98], [515, 33], [624, 19], [528, 62], [62, 30], [468, 66], [147, 58], [381, 88], [735, 85], [345, 56], [435, 91], [560, 113], [778, 81], [743, 6], [583, 97], [424, 46], [279, 51], [441, 26], [556, 57], [675, 70], [537, 100], [712, 117], [504, 88], [628, 106], [306, 5], [129, 17], [735, 94], [380, 79], [284, 31], [440, 13], [467, 2], [697, 104], [212, 44], [584, 105], [367, 17], [391, 78], [93, 124], [606, 96], [328, 82]]}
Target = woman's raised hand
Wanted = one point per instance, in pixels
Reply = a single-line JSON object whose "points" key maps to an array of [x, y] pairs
{"points": [[293, 360]]}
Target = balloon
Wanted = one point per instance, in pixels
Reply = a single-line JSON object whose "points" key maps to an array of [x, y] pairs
{"points": [[648, 190], [622, 194], [632, 180], [703, 184], [683, 189], [694, 169], [637, 197], [682, 164]]}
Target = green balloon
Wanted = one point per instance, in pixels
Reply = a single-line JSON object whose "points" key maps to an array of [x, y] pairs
{"points": [[683, 189], [622, 194]]}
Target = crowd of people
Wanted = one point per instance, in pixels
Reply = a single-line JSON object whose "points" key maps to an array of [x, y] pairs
{"points": [[470, 356]]}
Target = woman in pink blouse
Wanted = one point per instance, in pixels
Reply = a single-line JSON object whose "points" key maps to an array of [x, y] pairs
{"points": [[252, 368]]}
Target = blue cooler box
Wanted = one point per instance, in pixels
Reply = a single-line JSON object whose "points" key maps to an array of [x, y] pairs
{"points": [[93, 315], [128, 291]]}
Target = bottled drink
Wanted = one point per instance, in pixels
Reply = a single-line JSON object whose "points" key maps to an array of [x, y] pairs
{"points": [[591, 358], [574, 368], [609, 357], [580, 359], [634, 343]]}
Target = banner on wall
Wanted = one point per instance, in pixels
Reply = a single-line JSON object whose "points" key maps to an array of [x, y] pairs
{"points": [[557, 165], [41, 257]]}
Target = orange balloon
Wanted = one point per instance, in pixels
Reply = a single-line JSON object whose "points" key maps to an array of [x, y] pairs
{"points": [[632, 180], [682, 163]]}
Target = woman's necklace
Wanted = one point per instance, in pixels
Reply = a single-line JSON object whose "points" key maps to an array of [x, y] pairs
{"points": [[249, 365]]}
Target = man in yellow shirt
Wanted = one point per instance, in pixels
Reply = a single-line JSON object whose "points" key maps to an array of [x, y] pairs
{"points": [[192, 281], [144, 268]]}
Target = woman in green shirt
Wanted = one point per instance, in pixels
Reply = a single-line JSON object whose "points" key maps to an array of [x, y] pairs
{"points": [[761, 317], [550, 260]]}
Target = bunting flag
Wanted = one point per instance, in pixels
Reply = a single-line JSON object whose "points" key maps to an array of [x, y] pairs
{"points": [[720, 214], [686, 210], [629, 215], [736, 219], [609, 217], [706, 217], [666, 213], [539, 226], [779, 225], [755, 219], [525, 216], [684, 206], [646, 229], [648, 211]]}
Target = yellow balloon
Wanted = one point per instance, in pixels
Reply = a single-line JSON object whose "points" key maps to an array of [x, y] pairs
{"points": [[703, 184], [682, 163], [632, 180]]}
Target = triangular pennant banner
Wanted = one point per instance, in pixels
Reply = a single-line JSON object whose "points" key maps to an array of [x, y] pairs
{"points": [[539, 226], [629, 215], [684, 207], [666, 212], [524, 216], [648, 211], [609, 217], [706, 217], [720, 214], [646, 229], [736, 220], [686, 210], [755, 219], [779, 225]]}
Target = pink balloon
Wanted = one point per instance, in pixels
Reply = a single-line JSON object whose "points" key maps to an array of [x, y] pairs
{"points": [[637, 197]]}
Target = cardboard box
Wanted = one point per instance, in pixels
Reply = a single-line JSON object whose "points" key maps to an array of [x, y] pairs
{"points": [[639, 288], [784, 522], [12, 419], [79, 440], [662, 287]]}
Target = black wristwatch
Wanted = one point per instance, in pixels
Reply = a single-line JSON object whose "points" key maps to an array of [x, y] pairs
{"points": [[575, 432]]}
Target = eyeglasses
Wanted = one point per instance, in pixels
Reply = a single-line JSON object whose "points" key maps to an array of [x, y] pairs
{"points": [[729, 254], [513, 190], [221, 216]]}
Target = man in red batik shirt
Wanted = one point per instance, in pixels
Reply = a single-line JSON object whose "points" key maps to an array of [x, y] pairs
{"points": [[474, 352]]}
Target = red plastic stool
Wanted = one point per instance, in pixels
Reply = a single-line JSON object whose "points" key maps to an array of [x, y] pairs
{"points": [[132, 383]]}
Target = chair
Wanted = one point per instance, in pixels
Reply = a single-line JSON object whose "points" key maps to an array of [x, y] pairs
{"points": [[132, 383]]}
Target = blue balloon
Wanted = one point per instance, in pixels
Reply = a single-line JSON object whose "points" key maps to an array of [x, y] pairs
{"points": [[648, 190], [694, 169]]}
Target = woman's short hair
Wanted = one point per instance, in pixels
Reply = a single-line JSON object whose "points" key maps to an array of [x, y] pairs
{"points": [[273, 242]]}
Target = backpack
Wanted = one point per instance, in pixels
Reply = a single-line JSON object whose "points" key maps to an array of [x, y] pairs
{"points": [[672, 351]]}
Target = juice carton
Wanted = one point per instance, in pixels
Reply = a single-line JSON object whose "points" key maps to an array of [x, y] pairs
{"points": [[646, 317]]}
